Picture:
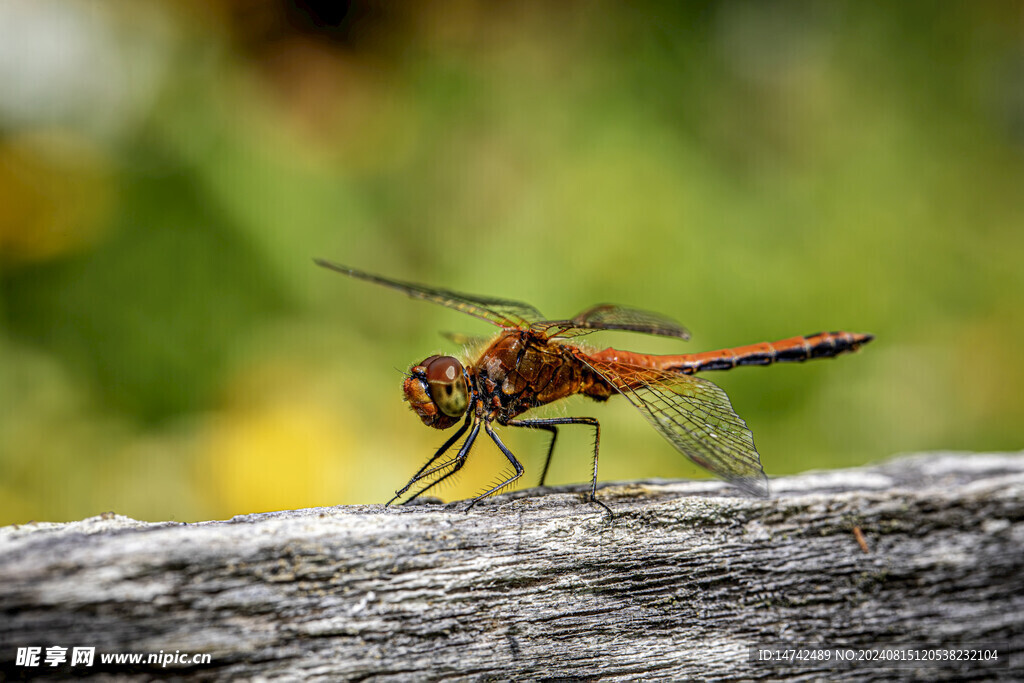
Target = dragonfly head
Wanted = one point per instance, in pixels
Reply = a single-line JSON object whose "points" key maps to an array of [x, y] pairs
{"points": [[436, 390]]}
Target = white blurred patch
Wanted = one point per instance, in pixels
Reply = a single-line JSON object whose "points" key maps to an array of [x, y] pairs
{"points": [[93, 67]]}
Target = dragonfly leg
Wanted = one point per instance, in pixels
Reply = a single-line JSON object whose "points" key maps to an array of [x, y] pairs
{"points": [[455, 464], [549, 423], [540, 424], [422, 471], [511, 458]]}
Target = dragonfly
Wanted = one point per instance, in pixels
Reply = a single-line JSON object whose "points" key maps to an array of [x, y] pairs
{"points": [[533, 361]]}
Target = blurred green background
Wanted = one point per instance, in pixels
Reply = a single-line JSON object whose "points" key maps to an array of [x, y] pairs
{"points": [[754, 169]]}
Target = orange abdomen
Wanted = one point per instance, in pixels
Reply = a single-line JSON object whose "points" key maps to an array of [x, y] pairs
{"points": [[794, 349]]}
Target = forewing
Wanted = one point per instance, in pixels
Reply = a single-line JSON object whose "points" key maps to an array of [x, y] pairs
{"points": [[612, 317], [696, 417], [465, 339], [503, 312]]}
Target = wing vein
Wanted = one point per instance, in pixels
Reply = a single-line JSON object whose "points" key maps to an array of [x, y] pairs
{"points": [[695, 416]]}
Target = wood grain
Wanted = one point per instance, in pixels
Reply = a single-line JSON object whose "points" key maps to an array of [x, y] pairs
{"points": [[680, 583]]}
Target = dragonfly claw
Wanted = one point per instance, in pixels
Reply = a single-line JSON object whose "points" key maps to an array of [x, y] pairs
{"points": [[595, 501]]}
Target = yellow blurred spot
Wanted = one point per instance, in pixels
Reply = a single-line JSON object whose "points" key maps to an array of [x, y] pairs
{"points": [[56, 195], [277, 444], [16, 508]]}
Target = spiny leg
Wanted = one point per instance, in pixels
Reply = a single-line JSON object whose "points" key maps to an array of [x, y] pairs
{"points": [[540, 424], [511, 458], [548, 423], [459, 461], [441, 451], [426, 470]]}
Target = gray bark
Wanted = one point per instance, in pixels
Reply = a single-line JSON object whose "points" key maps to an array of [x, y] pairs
{"points": [[680, 583]]}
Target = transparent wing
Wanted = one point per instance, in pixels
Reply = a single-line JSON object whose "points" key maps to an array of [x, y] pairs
{"points": [[465, 339], [612, 317], [503, 312], [696, 417]]}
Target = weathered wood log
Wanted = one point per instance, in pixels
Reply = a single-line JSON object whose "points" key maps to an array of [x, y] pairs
{"points": [[686, 578]]}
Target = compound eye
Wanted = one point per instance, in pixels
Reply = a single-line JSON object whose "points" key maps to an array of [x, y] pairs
{"points": [[447, 385]]}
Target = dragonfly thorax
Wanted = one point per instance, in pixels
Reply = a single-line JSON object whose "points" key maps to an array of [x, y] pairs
{"points": [[437, 391]]}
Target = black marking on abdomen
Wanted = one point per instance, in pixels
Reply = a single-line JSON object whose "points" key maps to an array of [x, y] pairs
{"points": [[794, 354], [825, 348]]}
